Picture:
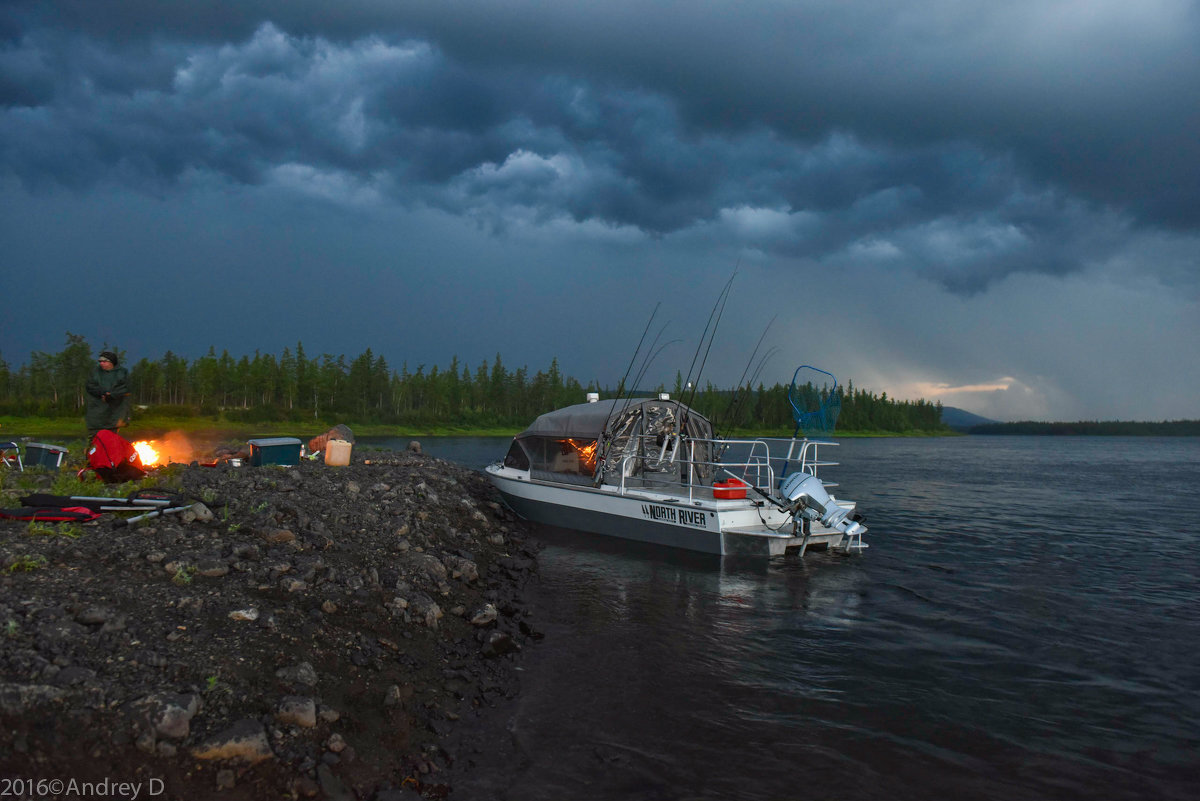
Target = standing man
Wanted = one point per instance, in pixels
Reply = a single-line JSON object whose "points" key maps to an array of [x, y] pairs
{"points": [[107, 396]]}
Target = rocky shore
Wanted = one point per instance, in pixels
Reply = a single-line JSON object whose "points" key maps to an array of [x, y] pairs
{"points": [[301, 632]]}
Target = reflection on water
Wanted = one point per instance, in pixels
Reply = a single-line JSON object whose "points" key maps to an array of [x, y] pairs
{"points": [[1023, 626]]}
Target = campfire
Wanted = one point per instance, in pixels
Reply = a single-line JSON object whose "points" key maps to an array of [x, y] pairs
{"points": [[147, 453], [171, 447]]}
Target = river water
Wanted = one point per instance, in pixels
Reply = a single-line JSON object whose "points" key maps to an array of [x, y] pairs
{"points": [[1025, 625]]}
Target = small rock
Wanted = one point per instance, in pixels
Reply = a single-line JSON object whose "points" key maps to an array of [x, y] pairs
{"points": [[302, 673], [485, 616], [428, 564], [297, 711], [280, 536], [202, 512], [250, 614], [93, 615], [498, 643], [212, 569], [226, 779], [414, 446], [172, 719], [244, 741], [426, 609], [336, 743]]}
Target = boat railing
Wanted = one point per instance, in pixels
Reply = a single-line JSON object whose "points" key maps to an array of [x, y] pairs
{"points": [[760, 463]]}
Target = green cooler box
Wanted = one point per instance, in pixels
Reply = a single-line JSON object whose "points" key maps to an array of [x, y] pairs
{"points": [[283, 451]]}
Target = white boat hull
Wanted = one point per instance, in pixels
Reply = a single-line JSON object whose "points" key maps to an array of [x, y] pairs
{"points": [[660, 515]]}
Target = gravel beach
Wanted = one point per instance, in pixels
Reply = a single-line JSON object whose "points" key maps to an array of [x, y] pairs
{"points": [[301, 632]]}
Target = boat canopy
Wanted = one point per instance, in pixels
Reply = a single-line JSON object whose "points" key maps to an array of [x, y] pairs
{"points": [[591, 420], [611, 439]]}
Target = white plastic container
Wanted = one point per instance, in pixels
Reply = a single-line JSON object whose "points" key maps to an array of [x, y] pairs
{"points": [[337, 452]]}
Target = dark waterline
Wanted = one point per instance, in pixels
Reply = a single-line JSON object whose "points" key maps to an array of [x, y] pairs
{"points": [[1024, 626]]}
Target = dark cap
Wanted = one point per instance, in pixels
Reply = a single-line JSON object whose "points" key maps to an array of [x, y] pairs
{"points": [[108, 355]]}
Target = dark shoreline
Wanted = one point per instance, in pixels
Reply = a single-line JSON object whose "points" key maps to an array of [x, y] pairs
{"points": [[328, 631]]}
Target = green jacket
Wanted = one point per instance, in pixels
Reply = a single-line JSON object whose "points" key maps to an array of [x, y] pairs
{"points": [[113, 411]]}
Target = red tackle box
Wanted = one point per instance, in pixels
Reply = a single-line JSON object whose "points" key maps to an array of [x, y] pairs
{"points": [[729, 490]]}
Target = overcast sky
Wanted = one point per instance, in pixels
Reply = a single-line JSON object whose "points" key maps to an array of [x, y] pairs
{"points": [[996, 205]]}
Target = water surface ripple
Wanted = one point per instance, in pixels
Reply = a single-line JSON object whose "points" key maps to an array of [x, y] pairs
{"points": [[1024, 626]]}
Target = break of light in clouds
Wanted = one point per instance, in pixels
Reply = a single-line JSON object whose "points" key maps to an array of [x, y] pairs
{"points": [[930, 195]]}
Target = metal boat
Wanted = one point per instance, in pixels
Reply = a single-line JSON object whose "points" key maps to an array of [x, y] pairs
{"points": [[651, 469]]}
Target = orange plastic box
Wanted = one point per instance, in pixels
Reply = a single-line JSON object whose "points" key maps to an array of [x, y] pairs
{"points": [[729, 490]]}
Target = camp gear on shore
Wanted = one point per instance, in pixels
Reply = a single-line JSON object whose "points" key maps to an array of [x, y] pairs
{"points": [[113, 459], [51, 514], [282, 451], [10, 455], [39, 454], [140, 499]]}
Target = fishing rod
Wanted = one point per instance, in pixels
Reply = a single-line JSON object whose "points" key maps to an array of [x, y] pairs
{"points": [[749, 388], [633, 359], [650, 359], [704, 335], [755, 377], [621, 391], [720, 313], [737, 394]]}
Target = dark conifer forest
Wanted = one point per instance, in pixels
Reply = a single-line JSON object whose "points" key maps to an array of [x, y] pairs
{"points": [[296, 386]]}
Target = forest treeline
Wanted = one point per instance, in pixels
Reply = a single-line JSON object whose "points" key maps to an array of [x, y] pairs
{"points": [[366, 389]]}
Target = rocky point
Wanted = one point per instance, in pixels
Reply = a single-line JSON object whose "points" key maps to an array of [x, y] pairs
{"points": [[303, 632]]}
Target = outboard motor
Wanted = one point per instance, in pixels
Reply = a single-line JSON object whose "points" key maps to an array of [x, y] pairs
{"points": [[809, 499]]}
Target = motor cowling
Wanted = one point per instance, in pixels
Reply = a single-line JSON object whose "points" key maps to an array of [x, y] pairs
{"points": [[808, 498]]}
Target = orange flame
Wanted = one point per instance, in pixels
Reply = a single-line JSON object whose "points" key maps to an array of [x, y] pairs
{"points": [[587, 453], [173, 446], [146, 453]]}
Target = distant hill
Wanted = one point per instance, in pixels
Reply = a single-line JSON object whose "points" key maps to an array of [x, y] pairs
{"points": [[962, 420]]}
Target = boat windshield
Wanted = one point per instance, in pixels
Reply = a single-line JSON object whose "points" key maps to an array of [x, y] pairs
{"points": [[560, 455]]}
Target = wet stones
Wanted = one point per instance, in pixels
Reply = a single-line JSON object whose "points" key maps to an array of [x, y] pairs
{"points": [[245, 741], [300, 674], [194, 643], [425, 609], [499, 643], [427, 565], [485, 616], [297, 711]]}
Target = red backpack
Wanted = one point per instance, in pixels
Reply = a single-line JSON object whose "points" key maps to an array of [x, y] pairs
{"points": [[113, 459]]}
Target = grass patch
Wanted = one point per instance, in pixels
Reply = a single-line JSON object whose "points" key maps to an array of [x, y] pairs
{"points": [[27, 564], [183, 575], [43, 528]]}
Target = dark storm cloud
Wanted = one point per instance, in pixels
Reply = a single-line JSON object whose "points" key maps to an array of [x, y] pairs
{"points": [[964, 141]]}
